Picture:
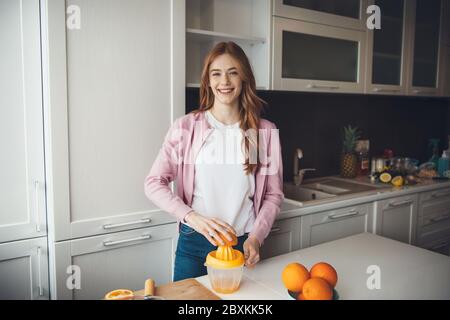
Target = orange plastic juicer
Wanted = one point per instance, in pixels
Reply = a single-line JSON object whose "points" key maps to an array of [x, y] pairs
{"points": [[225, 267]]}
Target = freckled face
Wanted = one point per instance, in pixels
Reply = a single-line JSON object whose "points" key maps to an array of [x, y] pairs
{"points": [[225, 80]]}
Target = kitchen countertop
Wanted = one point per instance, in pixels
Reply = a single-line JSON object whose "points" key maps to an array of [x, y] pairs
{"points": [[291, 208], [406, 272]]}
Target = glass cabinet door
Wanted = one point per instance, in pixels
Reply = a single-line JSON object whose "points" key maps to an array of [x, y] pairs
{"points": [[426, 44], [346, 8], [388, 44], [314, 57]]}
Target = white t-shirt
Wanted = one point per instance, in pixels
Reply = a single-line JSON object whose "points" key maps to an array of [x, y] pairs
{"points": [[222, 189]]}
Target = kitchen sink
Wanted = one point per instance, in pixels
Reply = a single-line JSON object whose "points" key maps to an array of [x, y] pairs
{"points": [[324, 188], [303, 194]]}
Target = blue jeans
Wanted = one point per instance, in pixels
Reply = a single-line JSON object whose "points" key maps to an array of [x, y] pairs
{"points": [[191, 253]]}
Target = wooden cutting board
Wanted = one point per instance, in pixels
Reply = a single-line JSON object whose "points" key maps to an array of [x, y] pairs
{"points": [[188, 289]]}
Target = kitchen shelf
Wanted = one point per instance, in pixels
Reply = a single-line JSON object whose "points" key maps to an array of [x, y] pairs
{"points": [[208, 22], [207, 35]]}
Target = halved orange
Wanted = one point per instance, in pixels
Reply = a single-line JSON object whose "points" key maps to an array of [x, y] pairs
{"points": [[228, 243], [119, 294]]}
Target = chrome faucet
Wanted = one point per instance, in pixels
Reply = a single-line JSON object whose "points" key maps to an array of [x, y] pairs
{"points": [[299, 174]]}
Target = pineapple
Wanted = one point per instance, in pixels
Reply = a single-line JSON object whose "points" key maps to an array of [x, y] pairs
{"points": [[349, 160]]}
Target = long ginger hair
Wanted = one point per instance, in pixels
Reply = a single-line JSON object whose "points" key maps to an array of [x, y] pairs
{"points": [[250, 105]]}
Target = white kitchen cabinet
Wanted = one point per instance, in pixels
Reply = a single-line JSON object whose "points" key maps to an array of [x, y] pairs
{"points": [[433, 230], [396, 218], [335, 224], [208, 22], [117, 260], [24, 270], [388, 50], [22, 184], [315, 57], [113, 88], [426, 48], [284, 237], [344, 13]]}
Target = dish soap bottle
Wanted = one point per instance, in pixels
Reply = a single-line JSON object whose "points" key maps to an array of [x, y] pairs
{"points": [[443, 163]]}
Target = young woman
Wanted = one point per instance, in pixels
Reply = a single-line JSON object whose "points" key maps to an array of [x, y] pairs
{"points": [[226, 162]]}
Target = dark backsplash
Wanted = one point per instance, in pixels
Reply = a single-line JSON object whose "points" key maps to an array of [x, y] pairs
{"points": [[314, 122]]}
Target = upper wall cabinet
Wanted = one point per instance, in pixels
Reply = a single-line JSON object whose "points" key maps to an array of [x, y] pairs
{"points": [[315, 57], [425, 47], [246, 22], [342, 13], [387, 51]]}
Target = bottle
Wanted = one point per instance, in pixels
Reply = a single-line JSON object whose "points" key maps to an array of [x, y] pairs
{"points": [[443, 163], [362, 149], [434, 144]]}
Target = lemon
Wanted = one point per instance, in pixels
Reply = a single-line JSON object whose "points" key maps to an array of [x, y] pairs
{"points": [[385, 177], [397, 181]]}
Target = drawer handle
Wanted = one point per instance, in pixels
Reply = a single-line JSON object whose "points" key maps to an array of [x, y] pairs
{"points": [[440, 218], [315, 86], [401, 203], [41, 290], [117, 225], [352, 212], [440, 194], [113, 243], [439, 246], [385, 90], [38, 218], [275, 230]]}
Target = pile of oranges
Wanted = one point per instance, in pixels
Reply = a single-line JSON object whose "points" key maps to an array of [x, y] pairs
{"points": [[316, 284]]}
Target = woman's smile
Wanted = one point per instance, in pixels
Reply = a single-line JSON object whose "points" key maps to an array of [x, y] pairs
{"points": [[226, 91]]}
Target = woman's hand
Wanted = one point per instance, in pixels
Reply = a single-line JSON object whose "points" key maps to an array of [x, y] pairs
{"points": [[209, 227], [251, 251]]}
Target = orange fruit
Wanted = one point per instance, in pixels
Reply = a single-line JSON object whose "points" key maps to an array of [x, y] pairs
{"points": [[326, 272], [119, 294], [228, 243], [301, 296], [294, 275], [317, 289]]}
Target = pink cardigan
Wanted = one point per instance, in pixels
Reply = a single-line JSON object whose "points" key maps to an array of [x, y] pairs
{"points": [[176, 161]]}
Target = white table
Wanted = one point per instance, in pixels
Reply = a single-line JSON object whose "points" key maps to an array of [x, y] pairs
{"points": [[406, 272]]}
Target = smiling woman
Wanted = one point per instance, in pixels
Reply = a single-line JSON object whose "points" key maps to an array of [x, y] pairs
{"points": [[218, 199]]}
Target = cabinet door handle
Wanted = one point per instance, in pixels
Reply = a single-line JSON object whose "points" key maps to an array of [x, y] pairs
{"points": [[440, 194], [112, 243], [315, 86], [275, 230], [385, 90], [352, 212], [439, 246], [36, 194], [424, 92], [41, 290], [400, 203], [117, 225], [440, 218]]}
